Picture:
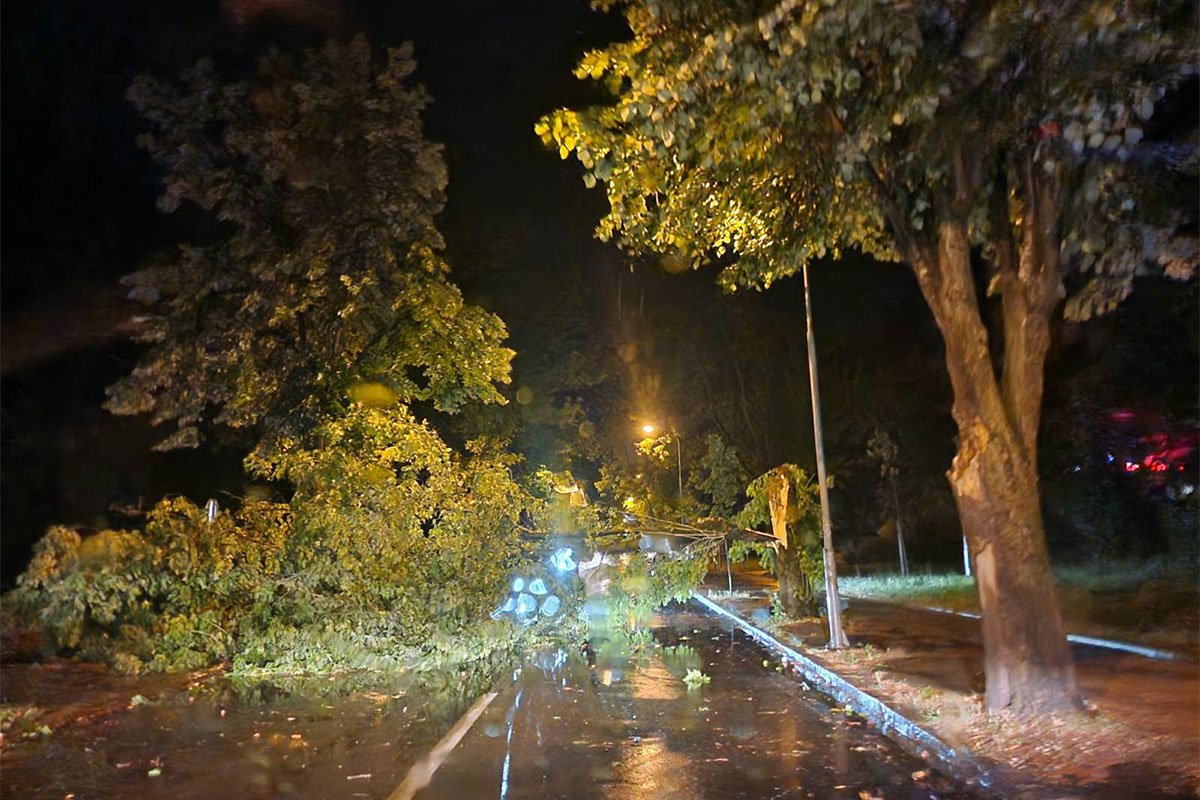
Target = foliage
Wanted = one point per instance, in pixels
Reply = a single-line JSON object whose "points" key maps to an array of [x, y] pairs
{"points": [[639, 494], [764, 551], [720, 475], [785, 134], [803, 504], [695, 679], [328, 283], [320, 327], [761, 138], [645, 582], [22, 721], [883, 447], [252, 589], [681, 660], [658, 448], [562, 504], [796, 558], [171, 597]]}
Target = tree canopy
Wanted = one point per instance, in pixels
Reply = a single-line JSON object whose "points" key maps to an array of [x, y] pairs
{"points": [[759, 137], [317, 325], [329, 276]]}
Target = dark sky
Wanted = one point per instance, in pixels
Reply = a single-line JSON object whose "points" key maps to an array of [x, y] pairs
{"points": [[78, 212]]}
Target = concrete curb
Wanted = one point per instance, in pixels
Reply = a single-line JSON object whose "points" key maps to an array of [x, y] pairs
{"points": [[908, 734]]}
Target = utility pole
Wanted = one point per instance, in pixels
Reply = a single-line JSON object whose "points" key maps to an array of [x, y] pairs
{"points": [[899, 529], [679, 459], [833, 603]]}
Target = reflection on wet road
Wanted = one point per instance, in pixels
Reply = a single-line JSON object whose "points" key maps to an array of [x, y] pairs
{"points": [[612, 720], [233, 743], [628, 726]]}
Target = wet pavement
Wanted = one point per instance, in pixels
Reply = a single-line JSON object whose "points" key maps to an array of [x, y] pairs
{"points": [[1141, 738], [628, 726], [945, 651], [613, 720], [229, 741]]}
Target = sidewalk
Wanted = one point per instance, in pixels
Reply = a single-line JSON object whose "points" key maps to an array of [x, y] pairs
{"points": [[1141, 737]]}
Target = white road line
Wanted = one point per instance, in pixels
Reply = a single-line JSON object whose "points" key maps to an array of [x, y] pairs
{"points": [[421, 773]]}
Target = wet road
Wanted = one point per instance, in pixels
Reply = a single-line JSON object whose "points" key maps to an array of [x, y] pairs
{"points": [[628, 726], [617, 721], [234, 742]]}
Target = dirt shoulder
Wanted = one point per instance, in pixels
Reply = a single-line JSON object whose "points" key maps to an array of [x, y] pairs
{"points": [[1139, 737], [1157, 608]]}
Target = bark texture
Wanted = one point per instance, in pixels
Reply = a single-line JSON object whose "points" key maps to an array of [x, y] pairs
{"points": [[794, 592], [997, 412]]}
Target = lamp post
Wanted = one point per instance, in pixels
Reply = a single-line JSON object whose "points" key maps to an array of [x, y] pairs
{"points": [[833, 608]]}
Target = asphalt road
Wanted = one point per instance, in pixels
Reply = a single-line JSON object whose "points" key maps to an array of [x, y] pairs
{"points": [[620, 722]]}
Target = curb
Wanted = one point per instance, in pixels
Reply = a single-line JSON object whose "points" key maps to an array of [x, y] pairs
{"points": [[912, 737]]}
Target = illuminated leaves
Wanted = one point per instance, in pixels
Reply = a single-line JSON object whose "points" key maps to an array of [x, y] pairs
{"points": [[330, 278], [761, 141], [314, 329]]}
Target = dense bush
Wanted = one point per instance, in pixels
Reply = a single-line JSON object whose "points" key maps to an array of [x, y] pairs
{"points": [[274, 590], [172, 596], [323, 332]]}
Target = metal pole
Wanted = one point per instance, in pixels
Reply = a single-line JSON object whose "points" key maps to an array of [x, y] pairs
{"points": [[679, 456], [833, 603], [728, 567], [899, 530]]}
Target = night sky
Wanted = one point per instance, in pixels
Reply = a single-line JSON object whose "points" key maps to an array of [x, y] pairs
{"points": [[78, 212]]}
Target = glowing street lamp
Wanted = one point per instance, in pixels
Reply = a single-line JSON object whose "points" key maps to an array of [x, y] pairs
{"points": [[647, 429]]}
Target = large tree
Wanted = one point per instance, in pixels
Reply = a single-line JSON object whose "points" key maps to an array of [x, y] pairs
{"points": [[317, 325], [324, 273], [760, 136]]}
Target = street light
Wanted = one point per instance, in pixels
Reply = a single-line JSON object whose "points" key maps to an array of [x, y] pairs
{"points": [[837, 634], [647, 429]]}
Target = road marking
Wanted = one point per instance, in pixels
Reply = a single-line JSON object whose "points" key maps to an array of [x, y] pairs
{"points": [[421, 773], [508, 746]]}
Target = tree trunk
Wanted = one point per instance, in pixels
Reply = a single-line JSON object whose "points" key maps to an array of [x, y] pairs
{"points": [[1027, 663], [795, 593], [994, 479], [795, 590]]}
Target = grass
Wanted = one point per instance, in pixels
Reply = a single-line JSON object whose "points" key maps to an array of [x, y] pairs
{"points": [[951, 591], [1155, 601], [955, 588], [723, 594]]}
